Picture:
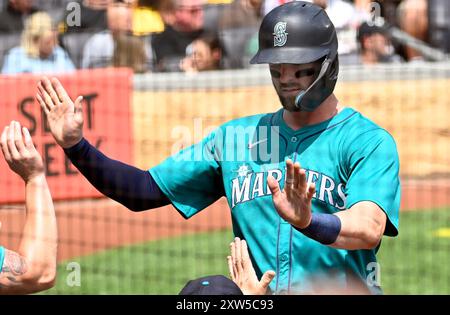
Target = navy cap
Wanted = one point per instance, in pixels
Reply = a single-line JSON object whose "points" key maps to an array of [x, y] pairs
{"points": [[211, 285]]}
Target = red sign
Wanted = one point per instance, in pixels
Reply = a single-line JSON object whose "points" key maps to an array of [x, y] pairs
{"points": [[107, 125]]}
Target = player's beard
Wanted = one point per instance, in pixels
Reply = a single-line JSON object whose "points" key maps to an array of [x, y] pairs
{"points": [[288, 103]]}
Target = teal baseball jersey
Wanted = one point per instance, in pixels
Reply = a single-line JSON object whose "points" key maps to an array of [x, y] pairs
{"points": [[348, 157], [2, 257]]}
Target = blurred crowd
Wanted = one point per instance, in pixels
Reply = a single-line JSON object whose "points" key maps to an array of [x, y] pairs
{"points": [[40, 36]]}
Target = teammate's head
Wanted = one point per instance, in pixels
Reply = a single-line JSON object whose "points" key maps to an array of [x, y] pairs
{"points": [[211, 285], [294, 37], [22, 6]]}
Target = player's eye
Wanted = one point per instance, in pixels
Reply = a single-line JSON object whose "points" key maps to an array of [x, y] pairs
{"points": [[275, 74], [305, 73]]}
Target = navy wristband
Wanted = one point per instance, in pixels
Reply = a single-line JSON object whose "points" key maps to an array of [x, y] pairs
{"points": [[324, 228]]}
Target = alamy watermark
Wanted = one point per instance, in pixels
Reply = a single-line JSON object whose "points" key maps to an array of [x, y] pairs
{"points": [[73, 17], [374, 277], [73, 279], [375, 18]]}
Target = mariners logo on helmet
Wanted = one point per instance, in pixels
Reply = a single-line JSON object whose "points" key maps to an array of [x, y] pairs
{"points": [[280, 35]]}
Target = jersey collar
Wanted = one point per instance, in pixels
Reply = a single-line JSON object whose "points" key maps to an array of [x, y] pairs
{"points": [[277, 120]]}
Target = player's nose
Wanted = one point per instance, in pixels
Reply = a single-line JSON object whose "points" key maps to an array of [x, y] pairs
{"points": [[287, 74]]}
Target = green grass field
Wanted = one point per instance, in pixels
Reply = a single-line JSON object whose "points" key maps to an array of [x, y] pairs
{"points": [[416, 262]]}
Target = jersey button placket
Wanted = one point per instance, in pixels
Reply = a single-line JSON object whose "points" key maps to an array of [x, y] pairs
{"points": [[283, 256]]}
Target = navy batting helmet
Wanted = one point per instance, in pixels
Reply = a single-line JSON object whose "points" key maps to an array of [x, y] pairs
{"points": [[300, 32]]}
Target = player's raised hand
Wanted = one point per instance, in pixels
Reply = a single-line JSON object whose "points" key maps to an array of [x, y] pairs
{"points": [[293, 203], [65, 117], [243, 273], [20, 153]]}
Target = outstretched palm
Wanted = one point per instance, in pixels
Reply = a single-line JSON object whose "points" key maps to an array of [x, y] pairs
{"points": [[293, 203], [243, 273], [65, 117]]}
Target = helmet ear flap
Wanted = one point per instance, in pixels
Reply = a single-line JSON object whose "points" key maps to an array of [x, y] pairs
{"points": [[335, 68], [321, 88]]}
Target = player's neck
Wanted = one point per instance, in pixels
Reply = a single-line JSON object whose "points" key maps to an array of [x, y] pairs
{"points": [[328, 109]]}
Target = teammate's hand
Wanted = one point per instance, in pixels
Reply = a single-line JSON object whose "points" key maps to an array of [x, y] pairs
{"points": [[293, 203], [65, 117], [20, 153], [243, 273]]}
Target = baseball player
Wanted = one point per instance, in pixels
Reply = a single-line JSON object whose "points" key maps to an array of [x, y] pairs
{"points": [[32, 267], [312, 188]]}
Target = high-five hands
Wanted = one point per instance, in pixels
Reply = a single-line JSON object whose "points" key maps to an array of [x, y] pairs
{"points": [[243, 273], [65, 117], [20, 153], [293, 203]]}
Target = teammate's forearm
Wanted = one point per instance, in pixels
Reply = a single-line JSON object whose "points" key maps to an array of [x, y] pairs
{"points": [[38, 245], [362, 227], [132, 187]]}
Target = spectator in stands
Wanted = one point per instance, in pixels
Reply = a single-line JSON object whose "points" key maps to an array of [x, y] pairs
{"points": [[13, 15], [203, 54], [183, 26], [130, 52], [375, 45], [238, 29], [412, 17], [99, 50], [92, 17], [56, 8], [439, 24], [39, 51], [241, 13], [346, 19]]}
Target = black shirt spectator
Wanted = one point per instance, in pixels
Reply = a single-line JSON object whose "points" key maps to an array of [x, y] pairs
{"points": [[183, 24], [14, 14], [170, 47]]}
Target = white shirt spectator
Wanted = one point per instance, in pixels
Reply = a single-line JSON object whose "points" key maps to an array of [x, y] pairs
{"points": [[98, 51]]}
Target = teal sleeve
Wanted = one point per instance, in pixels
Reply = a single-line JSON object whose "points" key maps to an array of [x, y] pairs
{"points": [[2, 257], [191, 179], [374, 175]]}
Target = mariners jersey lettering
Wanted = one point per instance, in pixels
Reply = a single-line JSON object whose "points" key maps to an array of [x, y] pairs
{"points": [[349, 158], [253, 185]]}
